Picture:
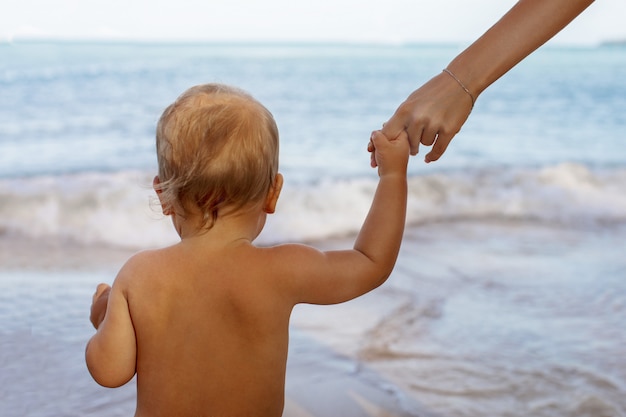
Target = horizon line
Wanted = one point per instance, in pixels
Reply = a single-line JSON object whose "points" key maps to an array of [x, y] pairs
{"points": [[276, 42]]}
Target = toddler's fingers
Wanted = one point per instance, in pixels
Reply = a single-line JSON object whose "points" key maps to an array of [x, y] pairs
{"points": [[100, 289], [371, 146], [376, 139], [373, 162], [377, 136]]}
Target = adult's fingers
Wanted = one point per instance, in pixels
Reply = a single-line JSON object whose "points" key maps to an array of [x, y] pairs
{"points": [[429, 136], [415, 133], [439, 148], [393, 127], [402, 120]]}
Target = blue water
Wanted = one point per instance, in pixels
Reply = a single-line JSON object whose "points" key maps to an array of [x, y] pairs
{"points": [[80, 107], [78, 119]]}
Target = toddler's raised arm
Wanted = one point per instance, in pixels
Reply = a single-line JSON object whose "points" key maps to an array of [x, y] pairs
{"points": [[381, 234], [335, 276]]}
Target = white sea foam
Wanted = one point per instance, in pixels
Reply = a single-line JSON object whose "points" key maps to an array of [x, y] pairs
{"points": [[118, 208]]}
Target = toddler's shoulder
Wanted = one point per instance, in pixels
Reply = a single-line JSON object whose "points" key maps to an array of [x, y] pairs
{"points": [[146, 258], [290, 256], [144, 263]]}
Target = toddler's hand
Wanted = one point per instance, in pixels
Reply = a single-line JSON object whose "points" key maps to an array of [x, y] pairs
{"points": [[391, 156], [99, 304]]}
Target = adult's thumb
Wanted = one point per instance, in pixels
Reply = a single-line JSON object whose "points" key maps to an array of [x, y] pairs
{"points": [[393, 127]]}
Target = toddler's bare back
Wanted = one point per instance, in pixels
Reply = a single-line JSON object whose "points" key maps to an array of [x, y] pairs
{"points": [[212, 334]]}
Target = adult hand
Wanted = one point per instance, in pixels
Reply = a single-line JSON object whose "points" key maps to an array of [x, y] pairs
{"points": [[435, 112], [432, 115]]}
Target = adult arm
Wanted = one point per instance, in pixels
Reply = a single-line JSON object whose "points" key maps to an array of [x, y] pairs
{"points": [[435, 112]]}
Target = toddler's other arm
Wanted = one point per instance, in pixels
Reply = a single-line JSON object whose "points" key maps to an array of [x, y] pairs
{"points": [[111, 352]]}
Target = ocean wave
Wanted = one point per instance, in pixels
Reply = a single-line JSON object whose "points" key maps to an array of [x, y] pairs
{"points": [[118, 209]]}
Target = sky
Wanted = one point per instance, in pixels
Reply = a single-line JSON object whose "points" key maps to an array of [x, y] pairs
{"points": [[389, 21]]}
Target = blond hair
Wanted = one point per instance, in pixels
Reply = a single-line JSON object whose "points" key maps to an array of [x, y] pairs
{"points": [[217, 147]]}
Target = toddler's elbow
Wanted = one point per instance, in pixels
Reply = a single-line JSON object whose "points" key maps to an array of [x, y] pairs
{"points": [[107, 374], [383, 279], [108, 378], [380, 278], [385, 272]]}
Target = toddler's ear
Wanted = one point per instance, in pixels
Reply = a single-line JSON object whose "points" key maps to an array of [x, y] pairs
{"points": [[156, 184], [273, 194]]}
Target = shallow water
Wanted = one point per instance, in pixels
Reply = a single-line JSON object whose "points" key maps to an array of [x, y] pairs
{"points": [[499, 319], [492, 318], [45, 326], [509, 295]]}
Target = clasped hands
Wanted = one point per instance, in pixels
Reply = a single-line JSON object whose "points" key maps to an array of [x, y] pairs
{"points": [[432, 115]]}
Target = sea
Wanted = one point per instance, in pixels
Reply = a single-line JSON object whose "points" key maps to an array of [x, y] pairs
{"points": [[509, 296]]}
